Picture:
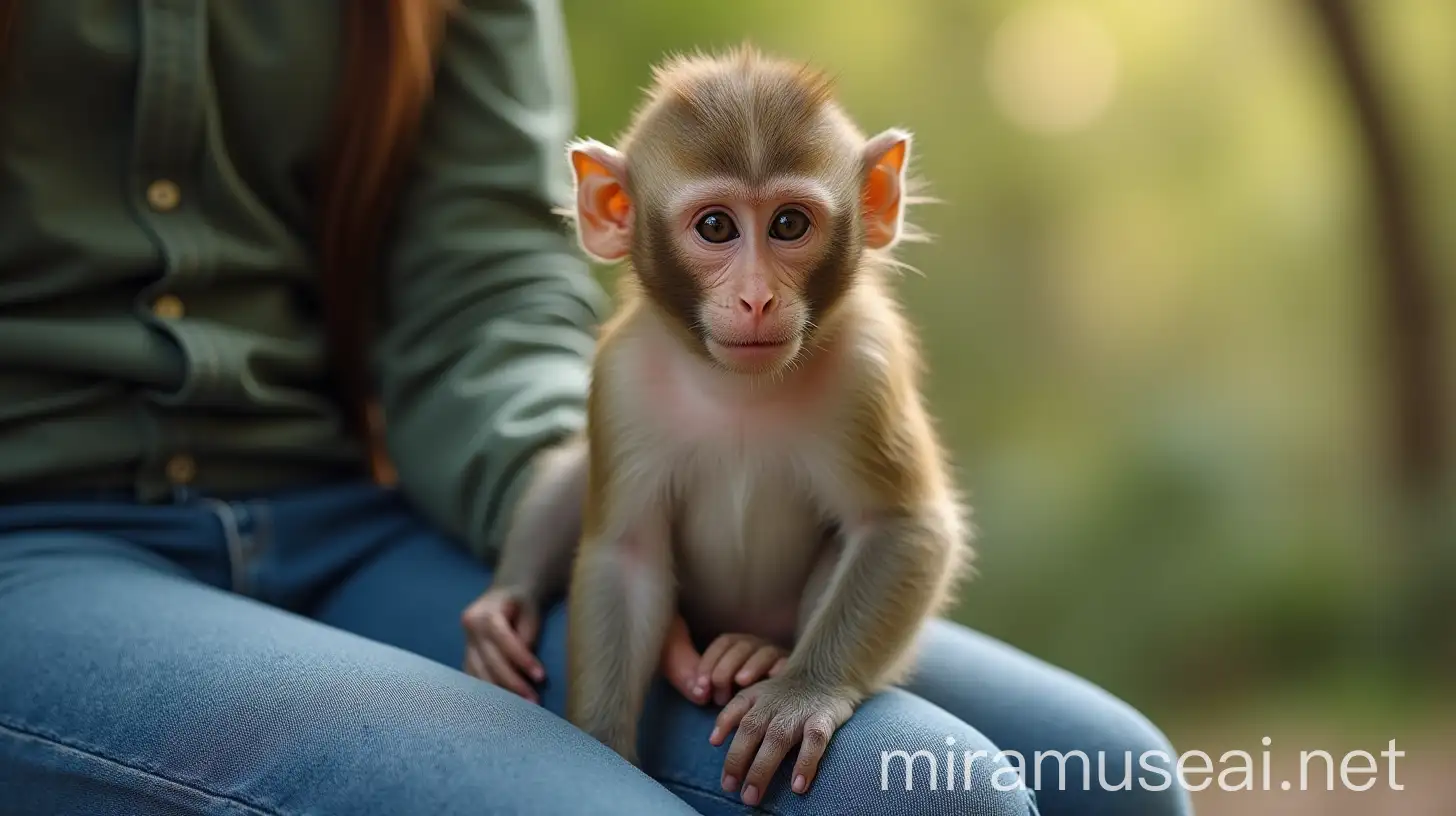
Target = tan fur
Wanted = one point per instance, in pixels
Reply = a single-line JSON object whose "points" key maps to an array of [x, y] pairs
{"points": [[812, 506]]}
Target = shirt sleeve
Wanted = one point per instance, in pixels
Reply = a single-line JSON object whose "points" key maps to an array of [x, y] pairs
{"points": [[490, 313]]}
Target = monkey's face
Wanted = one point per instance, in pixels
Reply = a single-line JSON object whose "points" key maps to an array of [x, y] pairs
{"points": [[745, 207], [747, 268]]}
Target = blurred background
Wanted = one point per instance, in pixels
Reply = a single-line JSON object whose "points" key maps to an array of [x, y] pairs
{"points": [[1187, 315]]}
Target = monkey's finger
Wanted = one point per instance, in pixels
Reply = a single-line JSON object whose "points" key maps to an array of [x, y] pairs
{"points": [[757, 665], [680, 663], [503, 674], [732, 714], [780, 738], [714, 653], [505, 639], [778, 667], [728, 665], [817, 732], [743, 749]]}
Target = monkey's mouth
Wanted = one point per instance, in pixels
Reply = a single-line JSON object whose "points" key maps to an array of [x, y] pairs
{"points": [[752, 354], [755, 344]]}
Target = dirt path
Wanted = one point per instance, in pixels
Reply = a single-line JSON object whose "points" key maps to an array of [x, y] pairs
{"points": [[1426, 773]]}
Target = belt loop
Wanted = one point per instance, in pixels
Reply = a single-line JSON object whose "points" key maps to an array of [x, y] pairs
{"points": [[239, 543]]}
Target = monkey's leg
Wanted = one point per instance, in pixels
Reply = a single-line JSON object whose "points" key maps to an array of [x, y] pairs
{"points": [[621, 603]]}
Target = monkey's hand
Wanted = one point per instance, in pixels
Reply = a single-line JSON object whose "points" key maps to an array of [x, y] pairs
{"points": [[500, 629], [772, 717], [736, 661]]}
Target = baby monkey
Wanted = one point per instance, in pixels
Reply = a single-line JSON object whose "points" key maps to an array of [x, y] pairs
{"points": [[759, 456]]}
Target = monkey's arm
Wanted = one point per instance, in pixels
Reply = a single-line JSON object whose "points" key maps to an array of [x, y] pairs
{"points": [[892, 574], [546, 525], [904, 546]]}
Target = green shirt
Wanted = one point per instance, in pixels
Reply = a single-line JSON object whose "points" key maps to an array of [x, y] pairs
{"points": [[159, 317]]}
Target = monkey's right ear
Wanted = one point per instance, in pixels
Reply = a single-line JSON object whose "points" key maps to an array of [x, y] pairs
{"points": [[603, 210]]}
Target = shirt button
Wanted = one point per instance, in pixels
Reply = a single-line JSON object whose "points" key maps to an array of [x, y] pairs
{"points": [[168, 307], [163, 195], [181, 469]]}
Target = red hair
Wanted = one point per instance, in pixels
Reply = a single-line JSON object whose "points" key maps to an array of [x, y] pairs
{"points": [[388, 77]]}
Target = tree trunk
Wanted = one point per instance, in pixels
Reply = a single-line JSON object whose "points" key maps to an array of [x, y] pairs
{"points": [[1423, 631], [1406, 279]]}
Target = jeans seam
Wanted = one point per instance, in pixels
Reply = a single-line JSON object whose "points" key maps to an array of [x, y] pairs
{"points": [[679, 783], [97, 754]]}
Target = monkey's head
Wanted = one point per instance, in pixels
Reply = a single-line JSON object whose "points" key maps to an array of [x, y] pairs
{"points": [[745, 200]]}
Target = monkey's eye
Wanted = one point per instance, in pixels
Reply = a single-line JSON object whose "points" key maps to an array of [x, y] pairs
{"points": [[789, 225], [717, 228]]}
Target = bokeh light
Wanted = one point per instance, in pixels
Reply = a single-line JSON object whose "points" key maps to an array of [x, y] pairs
{"points": [[1052, 67]]}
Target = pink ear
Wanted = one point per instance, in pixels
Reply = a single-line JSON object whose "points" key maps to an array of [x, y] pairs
{"points": [[603, 210], [885, 158]]}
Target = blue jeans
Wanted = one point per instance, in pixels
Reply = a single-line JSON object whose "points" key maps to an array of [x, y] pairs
{"points": [[298, 653]]}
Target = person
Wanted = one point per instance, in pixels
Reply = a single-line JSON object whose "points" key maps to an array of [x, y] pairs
{"points": [[233, 234]]}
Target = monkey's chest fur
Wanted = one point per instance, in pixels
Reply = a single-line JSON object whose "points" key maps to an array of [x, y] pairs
{"points": [[746, 537], [753, 484]]}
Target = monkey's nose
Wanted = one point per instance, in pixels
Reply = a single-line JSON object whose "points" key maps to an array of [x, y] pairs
{"points": [[757, 306]]}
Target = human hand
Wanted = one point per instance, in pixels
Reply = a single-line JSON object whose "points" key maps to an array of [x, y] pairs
{"points": [[500, 630], [731, 661], [772, 717]]}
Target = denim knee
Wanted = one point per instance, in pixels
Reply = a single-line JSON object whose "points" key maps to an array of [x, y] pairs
{"points": [[972, 779], [128, 687], [1142, 765], [1129, 770], [427, 741]]}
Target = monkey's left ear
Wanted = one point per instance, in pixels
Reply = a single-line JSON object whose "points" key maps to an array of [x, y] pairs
{"points": [[603, 210], [885, 157]]}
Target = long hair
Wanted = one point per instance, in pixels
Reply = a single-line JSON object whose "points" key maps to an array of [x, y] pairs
{"points": [[389, 75], [390, 48]]}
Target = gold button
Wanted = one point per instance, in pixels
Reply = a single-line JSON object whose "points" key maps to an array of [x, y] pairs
{"points": [[181, 469], [168, 307], [163, 195]]}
